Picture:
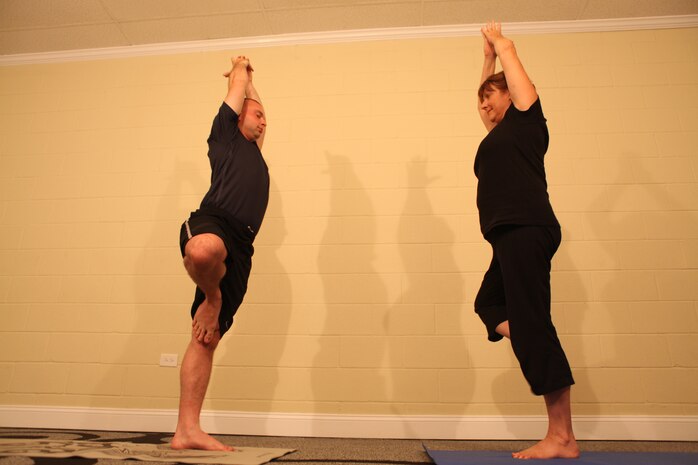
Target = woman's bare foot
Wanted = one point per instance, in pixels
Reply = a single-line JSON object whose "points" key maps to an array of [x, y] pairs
{"points": [[205, 321], [197, 439], [549, 448]]}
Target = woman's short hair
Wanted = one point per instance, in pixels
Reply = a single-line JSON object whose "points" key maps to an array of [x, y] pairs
{"points": [[496, 81]]}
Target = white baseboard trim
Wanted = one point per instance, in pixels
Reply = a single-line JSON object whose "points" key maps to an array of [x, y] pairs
{"points": [[480, 427]]}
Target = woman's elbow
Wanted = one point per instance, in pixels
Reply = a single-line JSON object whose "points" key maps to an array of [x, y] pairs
{"points": [[505, 46]]}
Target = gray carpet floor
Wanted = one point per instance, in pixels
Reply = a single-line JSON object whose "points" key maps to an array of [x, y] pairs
{"points": [[322, 450]]}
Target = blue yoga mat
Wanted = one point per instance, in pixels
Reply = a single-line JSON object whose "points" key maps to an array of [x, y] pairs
{"points": [[464, 457]]}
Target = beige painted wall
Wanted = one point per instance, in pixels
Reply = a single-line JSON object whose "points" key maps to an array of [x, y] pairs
{"points": [[370, 256]]}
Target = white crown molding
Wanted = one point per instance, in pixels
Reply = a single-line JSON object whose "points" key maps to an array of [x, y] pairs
{"points": [[547, 27], [480, 427]]}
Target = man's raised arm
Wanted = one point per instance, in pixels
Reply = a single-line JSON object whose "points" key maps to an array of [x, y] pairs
{"points": [[251, 93], [238, 79]]}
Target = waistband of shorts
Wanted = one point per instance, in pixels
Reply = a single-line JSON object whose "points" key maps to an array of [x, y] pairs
{"points": [[504, 228], [230, 219]]}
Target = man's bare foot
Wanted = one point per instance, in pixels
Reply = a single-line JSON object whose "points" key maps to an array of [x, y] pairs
{"points": [[197, 439], [205, 322], [549, 448]]}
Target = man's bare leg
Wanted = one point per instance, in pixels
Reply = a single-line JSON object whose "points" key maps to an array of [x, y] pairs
{"points": [[559, 442], [204, 257], [193, 377]]}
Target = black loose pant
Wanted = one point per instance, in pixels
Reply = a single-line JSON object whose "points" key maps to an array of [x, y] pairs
{"points": [[516, 287]]}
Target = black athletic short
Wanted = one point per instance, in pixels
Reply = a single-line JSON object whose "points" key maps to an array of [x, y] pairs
{"points": [[238, 239]]}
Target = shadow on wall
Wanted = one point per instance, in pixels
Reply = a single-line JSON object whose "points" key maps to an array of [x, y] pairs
{"points": [[639, 230], [570, 305], [440, 363], [348, 365], [259, 337], [150, 306], [389, 357]]}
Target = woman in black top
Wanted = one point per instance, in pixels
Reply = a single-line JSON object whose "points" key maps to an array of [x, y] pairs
{"points": [[517, 219]]}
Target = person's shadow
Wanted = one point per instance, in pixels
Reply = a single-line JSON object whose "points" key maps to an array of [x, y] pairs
{"points": [[432, 358], [254, 348], [628, 224], [348, 365], [151, 293]]}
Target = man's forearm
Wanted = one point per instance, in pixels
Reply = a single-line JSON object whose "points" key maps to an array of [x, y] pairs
{"points": [[238, 81], [238, 76], [251, 92]]}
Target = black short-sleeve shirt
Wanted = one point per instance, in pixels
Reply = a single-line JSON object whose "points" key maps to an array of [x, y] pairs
{"points": [[512, 188], [239, 174]]}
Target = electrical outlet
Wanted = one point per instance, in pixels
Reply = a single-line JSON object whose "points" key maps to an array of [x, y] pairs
{"points": [[168, 360]]}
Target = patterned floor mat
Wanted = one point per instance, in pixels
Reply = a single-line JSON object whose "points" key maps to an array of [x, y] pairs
{"points": [[151, 447]]}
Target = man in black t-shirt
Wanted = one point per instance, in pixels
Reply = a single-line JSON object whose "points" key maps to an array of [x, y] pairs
{"points": [[216, 242]]}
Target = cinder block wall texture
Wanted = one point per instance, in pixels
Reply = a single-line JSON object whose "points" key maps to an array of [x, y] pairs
{"points": [[370, 256]]}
